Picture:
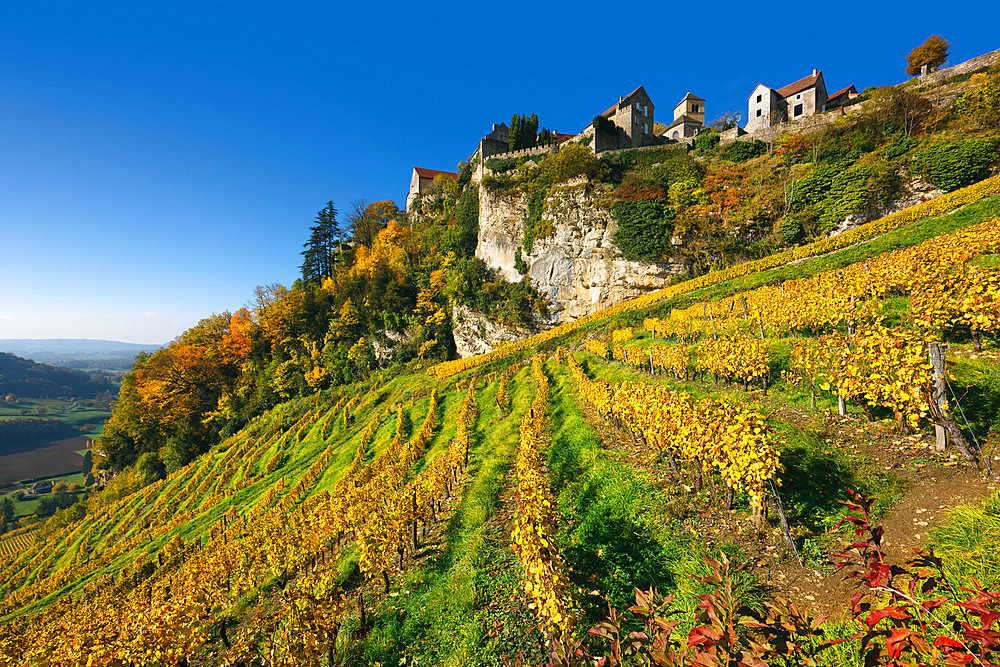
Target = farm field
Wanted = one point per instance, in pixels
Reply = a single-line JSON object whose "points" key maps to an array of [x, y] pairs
{"points": [[44, 460]]}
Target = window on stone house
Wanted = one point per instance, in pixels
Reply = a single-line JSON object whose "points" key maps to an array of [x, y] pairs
{"points": [[758, 99], [645, 128], [694, 108], [799, 96], [797, 110], [758, 113]]}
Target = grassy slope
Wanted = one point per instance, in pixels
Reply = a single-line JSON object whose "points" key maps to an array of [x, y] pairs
{"points": [[462, 604]]}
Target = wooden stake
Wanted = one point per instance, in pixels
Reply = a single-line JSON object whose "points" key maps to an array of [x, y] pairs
{"points": [[939, 397]]}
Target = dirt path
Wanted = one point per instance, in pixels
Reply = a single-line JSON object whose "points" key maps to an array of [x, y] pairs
{"points": [[934, 483]]}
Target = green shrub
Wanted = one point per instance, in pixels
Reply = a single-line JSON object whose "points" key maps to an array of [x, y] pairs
{"points": [[534, 226], [954, 164], [519, 263], [863, 187], [568, 163], [706, 141], [741, 151], [676, 166], [466, 227], [498, 164], [813, 188], [644, 229], [788, 229], [848, 142]]}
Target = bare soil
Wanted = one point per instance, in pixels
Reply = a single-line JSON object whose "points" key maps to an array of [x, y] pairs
{"points": [[54, 458]]}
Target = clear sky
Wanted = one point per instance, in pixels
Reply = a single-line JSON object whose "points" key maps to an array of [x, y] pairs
{"points": [[159, 160]]}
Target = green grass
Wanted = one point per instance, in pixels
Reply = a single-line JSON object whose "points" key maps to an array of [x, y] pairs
{"points": [[621, 529], [458, 608], [967, 543], [976, 383]]}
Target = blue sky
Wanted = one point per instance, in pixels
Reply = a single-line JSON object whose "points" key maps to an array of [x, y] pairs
{"points": [[160, 160]]}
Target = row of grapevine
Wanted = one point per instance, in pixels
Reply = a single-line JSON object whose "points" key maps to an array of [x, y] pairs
{"points": [[734, 440], [535, 522], [943, 204], [946, 286]]}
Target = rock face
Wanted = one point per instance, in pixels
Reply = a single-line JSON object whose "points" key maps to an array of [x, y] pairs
{"points": [[475, 334], [915, 190], [501, 230], [578, 268]]}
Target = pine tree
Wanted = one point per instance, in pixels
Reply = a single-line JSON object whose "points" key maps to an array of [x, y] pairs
{"points": [[318, 258]]}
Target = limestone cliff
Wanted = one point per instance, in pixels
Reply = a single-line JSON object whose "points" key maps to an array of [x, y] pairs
{"points": [[577, 267], [474, 333]]}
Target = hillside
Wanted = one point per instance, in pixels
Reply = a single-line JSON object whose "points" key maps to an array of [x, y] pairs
{"points": [[25, 378], [372, 523], [675, 479], [110, 356]]}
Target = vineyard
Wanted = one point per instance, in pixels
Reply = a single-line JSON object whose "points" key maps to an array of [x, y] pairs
{"points": [[11, 545], [671, 458]]}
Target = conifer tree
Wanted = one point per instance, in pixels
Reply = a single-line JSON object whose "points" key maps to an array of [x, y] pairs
{"points": [[321, 248]]}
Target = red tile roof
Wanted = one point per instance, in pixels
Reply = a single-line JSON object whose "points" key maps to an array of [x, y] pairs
{"points": [[611, 109], [562, 138], [845, 91], [431, 173], [799, 85]]}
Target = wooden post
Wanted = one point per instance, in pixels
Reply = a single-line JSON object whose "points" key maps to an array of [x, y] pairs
{"points": [[785, 529], [414, 521], [841, 404], [939, 397]]}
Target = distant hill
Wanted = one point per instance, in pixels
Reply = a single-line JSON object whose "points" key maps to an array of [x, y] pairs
{"points": [[26, 378], [81, 353]]}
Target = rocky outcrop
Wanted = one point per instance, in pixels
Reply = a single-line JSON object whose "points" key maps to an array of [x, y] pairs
{"points": [[501, 230], [915, 190], [475, 334], [387, 343], [578, 267]]}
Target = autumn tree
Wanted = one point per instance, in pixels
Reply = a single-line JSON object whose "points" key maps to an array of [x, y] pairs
{"points": [[366, 225], [727, 121], [900, 106], [318, 258], [933, 53]]}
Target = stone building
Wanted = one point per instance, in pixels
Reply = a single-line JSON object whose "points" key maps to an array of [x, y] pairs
{"points": [[768, 106], [633, 114], [840, 97], [421, 182], [689, 118], [495, 142]]}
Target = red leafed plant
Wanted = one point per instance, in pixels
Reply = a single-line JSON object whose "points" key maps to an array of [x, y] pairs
{"points": [[909, 616], [912, 615], [725, 633]]}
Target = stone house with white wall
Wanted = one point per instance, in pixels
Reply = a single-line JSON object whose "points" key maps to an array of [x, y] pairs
{"points": [[767, 106], [689, 118], [422, 181]]}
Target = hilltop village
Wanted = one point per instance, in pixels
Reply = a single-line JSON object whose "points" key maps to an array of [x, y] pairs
{"points": [[802, 106], [630, 123]]}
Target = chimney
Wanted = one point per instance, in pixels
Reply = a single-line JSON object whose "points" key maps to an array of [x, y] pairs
{"points": [[814, 71], [620, 99], [494, 127]]}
